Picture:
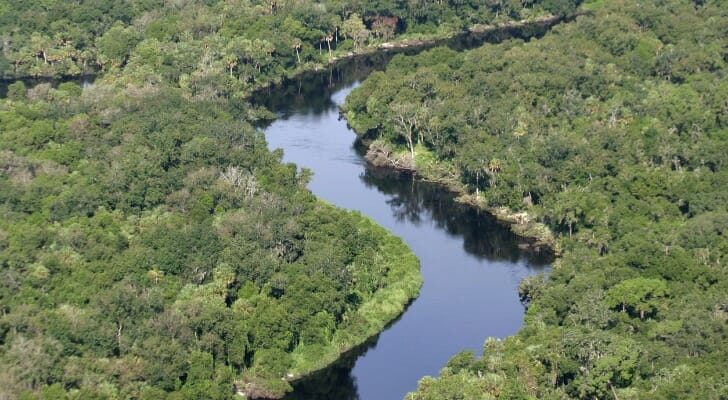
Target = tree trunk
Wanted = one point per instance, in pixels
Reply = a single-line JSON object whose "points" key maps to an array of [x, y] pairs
{"points": [[614, 392], [477, 190], [118, 336]]}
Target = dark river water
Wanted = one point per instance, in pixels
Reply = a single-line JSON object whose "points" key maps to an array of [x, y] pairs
{"points": [[470, 263]]}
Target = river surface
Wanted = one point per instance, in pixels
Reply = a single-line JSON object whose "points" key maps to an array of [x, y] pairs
{"points": [[470, 263]]}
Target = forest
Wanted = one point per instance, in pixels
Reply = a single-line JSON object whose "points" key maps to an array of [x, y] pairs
{"points": [[151, 244], [612, 131], [152, 247], [225, 45]]}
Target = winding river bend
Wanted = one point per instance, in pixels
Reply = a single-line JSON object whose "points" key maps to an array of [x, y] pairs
{"points": [[471, 264]]}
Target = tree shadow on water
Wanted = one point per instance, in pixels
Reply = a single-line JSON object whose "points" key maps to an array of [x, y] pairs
{"points": [[336, 381], [483, 236]]}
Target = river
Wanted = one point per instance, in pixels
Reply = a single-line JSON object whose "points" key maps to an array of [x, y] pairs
{"points": [[471, 264]]}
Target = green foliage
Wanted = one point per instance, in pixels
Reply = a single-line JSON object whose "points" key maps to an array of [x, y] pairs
{"points": [[223, 47], [17, 91], [642, 295], [150, 237]]}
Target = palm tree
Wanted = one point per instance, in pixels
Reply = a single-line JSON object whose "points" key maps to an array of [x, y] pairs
{"points": [[328, 40], [493, 167], [297, 48]]}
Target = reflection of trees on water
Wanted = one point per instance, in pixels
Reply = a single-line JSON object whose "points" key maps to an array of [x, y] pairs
{"points": [[418, 202], [311, 92], [336, 381], [483, 236], [406, 207], [83, 81]]}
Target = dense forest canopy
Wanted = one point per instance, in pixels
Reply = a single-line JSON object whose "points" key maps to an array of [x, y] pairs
{"points": [[613, 131], [227, 44], [151, 244]]}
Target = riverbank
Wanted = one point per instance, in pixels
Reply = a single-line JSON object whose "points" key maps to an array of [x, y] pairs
{"points": [[426, 167], [400, 44], [400, 286], [408, 42]]}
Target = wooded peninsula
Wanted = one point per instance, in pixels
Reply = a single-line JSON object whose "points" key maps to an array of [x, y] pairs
{"points": [[153, 247]]}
